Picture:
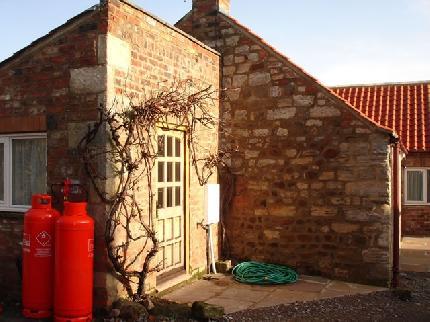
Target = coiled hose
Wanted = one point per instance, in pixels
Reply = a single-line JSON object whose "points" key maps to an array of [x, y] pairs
{"points": [[264, 274]]}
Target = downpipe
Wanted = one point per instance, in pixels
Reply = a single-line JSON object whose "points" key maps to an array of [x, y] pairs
{"points": [[396, 215]]}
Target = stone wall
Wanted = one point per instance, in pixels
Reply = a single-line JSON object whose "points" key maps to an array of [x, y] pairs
{"points": [[39, 92], [312, 177], [416, 219]]}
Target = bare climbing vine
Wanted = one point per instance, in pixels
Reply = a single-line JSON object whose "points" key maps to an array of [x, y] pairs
{"points": [[130, 152]]}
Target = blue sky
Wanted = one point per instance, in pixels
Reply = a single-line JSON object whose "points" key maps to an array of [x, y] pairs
{"points": [[337, 41]]}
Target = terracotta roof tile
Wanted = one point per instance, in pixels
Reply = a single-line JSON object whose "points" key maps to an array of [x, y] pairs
{"points": [[404, 108]]}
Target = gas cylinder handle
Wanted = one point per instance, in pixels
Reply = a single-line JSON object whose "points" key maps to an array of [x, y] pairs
{"points": [[44, 200], [66, 191]]}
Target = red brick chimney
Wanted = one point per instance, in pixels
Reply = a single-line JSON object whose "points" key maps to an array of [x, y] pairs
{"points": [[205, 7]]}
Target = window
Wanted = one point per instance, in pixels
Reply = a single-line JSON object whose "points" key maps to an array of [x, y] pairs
{"points": [[22, 170], [417, 181]]}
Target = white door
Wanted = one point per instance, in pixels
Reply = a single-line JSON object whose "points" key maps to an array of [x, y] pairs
{"points": [[170, 199]]}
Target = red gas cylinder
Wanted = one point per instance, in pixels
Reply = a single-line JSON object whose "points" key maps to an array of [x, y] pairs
{"points": [[38, 258], [74, 251]]}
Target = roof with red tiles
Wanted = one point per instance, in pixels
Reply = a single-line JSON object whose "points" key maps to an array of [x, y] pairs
{"points": [[402, 107]]}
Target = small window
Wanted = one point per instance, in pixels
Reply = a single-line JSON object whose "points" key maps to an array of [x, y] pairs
{"points": [[416, 186], [2, 171], [22, 170]]}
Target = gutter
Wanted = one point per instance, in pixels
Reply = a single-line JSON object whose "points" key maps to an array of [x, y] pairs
{"points": [[396, 214]]}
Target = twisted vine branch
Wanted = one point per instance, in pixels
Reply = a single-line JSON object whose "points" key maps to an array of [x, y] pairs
{"points": [[130, 154]]}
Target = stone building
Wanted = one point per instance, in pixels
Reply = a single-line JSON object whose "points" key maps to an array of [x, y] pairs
{"points": [[403, 107], [316, 180], [314, 175]]}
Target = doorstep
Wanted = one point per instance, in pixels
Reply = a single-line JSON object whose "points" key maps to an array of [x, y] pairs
{"points": [[173, 282]]}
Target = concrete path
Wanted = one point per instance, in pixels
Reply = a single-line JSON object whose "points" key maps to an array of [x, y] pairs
{"points": [[222, 290], [415, 254]]}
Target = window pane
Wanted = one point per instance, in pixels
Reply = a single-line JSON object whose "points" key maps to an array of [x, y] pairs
{"points": [[169, 171], [178, 171], [161, 145], [160, 171], [169, 197], [169, 146], [177, 147], [160, 199], [177, 196], [415, 186], [28, 169], [2, 171], [428, 183]]}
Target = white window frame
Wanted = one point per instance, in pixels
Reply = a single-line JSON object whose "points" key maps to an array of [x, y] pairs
{"points": [[6, 204], [405, 190]]}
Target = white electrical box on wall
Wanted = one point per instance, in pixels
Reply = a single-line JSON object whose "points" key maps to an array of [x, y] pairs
{"points": [[212, 203]]}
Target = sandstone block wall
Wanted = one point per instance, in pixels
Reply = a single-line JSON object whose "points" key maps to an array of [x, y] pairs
{"points": [[312, 179], [416, 219]]}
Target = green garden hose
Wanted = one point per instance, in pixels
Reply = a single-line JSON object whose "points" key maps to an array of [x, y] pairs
{"points": [[264, 274]]}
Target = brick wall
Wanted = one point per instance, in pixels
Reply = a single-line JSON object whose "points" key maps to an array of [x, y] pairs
{"points": [[312, 178], [416, 219], [142, 53], [40, 92], [57, 84], [10, 251]]}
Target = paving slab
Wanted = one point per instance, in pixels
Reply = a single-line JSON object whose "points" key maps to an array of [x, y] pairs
{"points": [[250, 295], [223, 290], [284, 296], [328, 294], [198, 291], [229, 305], [305, 286], [415, 254]]}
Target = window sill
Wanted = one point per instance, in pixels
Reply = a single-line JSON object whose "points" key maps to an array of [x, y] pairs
{"points": [[14, 209], [11, 215], [416, 204]]}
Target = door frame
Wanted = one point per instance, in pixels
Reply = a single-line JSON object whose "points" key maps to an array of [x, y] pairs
{"points": [[186, 184]]}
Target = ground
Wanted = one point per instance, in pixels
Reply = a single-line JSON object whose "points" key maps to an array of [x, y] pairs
{"points": [[312, 298], [222, 290], [415, 254], [378, 306]]}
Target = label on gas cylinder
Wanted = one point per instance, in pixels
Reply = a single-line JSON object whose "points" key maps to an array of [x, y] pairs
{"points": [[43, 252], [43, 248], [90, 247], [26, 242], [44, 239]]}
